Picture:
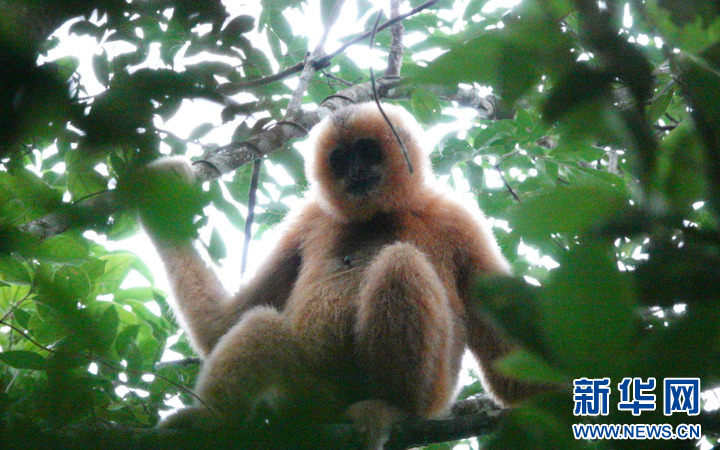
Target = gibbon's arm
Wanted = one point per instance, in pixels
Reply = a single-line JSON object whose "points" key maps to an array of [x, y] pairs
{"points": [[480, 255], [205, 309]]}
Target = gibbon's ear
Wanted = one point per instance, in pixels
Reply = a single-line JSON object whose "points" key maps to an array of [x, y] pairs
{"points": [[357, 167]]}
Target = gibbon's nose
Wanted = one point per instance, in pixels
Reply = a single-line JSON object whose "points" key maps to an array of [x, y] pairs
{"points": [[361, 180]]}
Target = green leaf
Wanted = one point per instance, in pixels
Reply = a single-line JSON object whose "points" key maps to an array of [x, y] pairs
{"points": [[426, 106], [26, 187], [124, 338], [117, 266], [105, 328], [450, 152], [239, 25], [13, 271], [200, 131], [21, 359], [70, 282], [135, 293], [588, 313], [22, 317], [510, 60], [494, 134], [45, 328], [582, 84], [570, 210], [168, 203], [85, 184], [60, 249], [10, 294], [513, 305], [216, 248], [681, 169], [701, 78], [68, 65], [689, 11], [101, 67], [281, 27], [475, 176], [660, 103], [525, 366]]}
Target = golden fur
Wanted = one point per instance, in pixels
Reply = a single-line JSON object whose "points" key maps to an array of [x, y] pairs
{"points": [[362, 306]]}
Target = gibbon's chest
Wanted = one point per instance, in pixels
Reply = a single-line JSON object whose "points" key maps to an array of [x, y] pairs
{"points": [[322, 305], [334, 258]]}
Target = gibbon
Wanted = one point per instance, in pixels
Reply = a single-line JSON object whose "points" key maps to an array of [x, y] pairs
{"points": [[362, 307]]}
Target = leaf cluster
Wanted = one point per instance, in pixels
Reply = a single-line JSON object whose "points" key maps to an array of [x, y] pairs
{"points": [[599, 170], [607, 170]]}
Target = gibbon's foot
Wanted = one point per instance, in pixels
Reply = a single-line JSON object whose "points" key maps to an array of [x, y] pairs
{"points": [[172, 164], [374, 419], [192, 418]]}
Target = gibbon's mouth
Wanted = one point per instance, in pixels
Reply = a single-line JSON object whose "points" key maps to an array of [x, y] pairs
{"points": [[362, 185]]}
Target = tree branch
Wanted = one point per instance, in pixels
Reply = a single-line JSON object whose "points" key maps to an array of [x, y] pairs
{"points": [[396, 46], [482, 421], [214, 163], [221, 160]]}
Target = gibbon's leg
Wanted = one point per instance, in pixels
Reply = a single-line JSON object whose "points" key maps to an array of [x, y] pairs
{"points": [[404, 340], [489, 345], [254, 371]]}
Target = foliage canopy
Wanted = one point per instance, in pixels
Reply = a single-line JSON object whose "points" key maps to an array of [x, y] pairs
{"points": [[599, 153]]}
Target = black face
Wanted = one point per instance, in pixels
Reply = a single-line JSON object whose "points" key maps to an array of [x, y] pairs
{"points": [[358, 165]]}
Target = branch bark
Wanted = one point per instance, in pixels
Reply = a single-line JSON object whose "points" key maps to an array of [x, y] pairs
{"points": [[483, 420], [396, 46]]}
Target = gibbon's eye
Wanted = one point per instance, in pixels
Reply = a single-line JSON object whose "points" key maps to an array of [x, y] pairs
{"points": [[369, 151], [339, 161]]}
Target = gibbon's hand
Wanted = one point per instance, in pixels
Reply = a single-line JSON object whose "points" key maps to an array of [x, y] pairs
{"points": [[167, 198]]}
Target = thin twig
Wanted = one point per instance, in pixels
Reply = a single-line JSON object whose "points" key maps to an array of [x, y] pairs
{"points": [[291, 112], [507, 185], [16, 305], [22, 333], [331, 77], [387, 24], [234, 88], [252, 199], [186, 362], [311, 66], [377, 99]]}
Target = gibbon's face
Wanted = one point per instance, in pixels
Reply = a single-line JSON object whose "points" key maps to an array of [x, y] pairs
{"points": [[358, 168]]}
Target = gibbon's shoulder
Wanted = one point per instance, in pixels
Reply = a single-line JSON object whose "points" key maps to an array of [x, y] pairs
{"points": [[466, 229], [305, 218]]}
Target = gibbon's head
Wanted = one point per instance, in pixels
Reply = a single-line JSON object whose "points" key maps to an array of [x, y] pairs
{"points": [[357, 168]]}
